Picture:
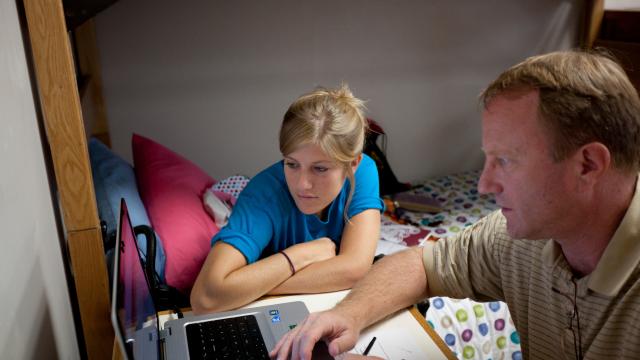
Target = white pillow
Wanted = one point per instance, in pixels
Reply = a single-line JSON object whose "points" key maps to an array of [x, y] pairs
{"points": [[217, 208]]}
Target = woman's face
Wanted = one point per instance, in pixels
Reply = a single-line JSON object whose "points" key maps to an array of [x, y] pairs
{"points": [[314, 179]]}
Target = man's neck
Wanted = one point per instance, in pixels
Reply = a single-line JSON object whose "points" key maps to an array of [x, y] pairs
{"points": [[584, 248], [584, 259]]}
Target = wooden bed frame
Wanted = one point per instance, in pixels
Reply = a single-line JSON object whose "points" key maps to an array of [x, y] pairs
{"points": [[70, 113], [62, 113]]}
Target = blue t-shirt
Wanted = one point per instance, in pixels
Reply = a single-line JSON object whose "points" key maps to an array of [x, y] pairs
{"points": [[266, 220]]}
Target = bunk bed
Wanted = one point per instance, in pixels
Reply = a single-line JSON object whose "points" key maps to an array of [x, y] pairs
{"points": [[66, 70], [67, 120]]}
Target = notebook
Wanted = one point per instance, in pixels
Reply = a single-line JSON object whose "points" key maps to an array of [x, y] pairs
{"points": [[241, 334], [417, 202]]}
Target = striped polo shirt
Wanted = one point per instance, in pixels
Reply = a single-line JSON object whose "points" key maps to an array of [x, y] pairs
{"points": [[533, 277]]}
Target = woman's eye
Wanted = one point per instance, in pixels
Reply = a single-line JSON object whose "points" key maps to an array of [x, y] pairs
{"points": [[291, 165], [321, 169]]}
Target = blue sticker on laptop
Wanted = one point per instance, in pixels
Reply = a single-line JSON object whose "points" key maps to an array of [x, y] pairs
{"points": [[275, 319]]}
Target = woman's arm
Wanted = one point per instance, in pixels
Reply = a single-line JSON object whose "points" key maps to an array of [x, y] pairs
{"points": [[357, 249], [227, 282]]}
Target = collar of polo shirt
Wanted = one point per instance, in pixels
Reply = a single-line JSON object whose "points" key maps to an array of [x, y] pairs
{"points": [[620, 258]]}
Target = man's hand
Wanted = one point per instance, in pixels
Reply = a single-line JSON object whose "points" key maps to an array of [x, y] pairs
{"points": [[338, 330], [340, 327]]}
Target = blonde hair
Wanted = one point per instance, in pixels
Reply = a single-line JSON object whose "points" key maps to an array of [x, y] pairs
{"points": [[330, 118], [584, 97]]}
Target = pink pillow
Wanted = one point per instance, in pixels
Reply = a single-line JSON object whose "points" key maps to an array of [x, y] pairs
{"points": [[171, 188]]}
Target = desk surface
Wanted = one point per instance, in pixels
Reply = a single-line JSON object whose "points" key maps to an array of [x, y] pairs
{"points": [[404, 335], [432, 334]]}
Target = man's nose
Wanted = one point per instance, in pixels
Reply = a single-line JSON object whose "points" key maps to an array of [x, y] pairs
{"points": [[487, 184]]}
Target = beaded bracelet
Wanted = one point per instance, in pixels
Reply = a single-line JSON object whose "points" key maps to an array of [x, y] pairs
{"points": [[293, 269]]}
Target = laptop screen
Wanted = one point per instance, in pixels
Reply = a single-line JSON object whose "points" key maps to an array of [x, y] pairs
{"points": [[133, 309]]}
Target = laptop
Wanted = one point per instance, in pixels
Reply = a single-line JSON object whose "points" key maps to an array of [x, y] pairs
{"points": [[241, 334]]}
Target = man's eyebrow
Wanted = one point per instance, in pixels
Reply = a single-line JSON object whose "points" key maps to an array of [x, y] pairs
{"points": [[499, 150], [488, 152]]}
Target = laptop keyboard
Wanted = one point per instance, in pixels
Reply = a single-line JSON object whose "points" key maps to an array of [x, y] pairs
{"points": [[230, 338]]}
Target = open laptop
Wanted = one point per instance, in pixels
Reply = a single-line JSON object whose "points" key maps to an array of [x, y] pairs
{"points": [[241, 334]]}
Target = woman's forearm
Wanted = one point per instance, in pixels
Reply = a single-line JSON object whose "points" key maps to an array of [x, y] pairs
{"points": [[227, 282], [357, 247], [338, 273], [216, 292]]}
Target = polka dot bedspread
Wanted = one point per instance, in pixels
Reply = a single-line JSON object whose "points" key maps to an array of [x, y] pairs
{"points": [[461, 203], [472, 330]]}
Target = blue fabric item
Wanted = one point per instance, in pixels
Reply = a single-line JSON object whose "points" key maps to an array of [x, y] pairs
{"points": [[113, 179], [265, 219]]}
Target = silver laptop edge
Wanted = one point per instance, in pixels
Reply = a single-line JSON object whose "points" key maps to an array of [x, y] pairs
{"points": [[273, 320]]}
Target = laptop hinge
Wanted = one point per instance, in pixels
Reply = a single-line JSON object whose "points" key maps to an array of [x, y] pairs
{"points": [[164, 334]]}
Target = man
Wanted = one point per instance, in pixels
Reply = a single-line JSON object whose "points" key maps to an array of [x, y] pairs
{"points": [[561, 135]]}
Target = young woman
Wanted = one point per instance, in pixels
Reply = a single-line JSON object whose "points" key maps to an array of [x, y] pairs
{"points": [[306, 224]]}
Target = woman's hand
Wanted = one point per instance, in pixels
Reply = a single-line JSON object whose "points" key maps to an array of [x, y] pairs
{"points": [[310, 252]]}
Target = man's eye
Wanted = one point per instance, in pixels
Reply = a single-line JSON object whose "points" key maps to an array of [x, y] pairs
{"points": [[503, 161]]}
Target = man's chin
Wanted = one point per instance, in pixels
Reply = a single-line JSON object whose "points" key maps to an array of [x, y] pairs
{"points": [[518, 233], [514, 231]]}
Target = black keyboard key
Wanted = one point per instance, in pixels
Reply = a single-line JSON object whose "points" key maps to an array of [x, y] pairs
{"points": [[231, 338]]}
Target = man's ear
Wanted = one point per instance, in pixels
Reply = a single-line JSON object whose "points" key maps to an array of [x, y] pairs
{"points": [[594, 159], [355, 163]]}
